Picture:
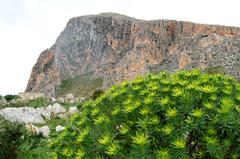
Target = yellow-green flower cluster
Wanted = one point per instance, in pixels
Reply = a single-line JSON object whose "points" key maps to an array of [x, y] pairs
{"points": [[187, 114]]}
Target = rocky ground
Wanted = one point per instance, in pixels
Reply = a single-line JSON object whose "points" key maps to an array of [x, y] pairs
{"points": [[48, 117]]}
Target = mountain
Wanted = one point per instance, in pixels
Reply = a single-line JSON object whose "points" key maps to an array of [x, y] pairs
{"points": [[96, 51]]}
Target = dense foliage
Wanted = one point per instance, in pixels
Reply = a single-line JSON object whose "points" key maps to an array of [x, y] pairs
{"points": [[187, 114], [17, 143], [97, 94], [10, 97], [10, 138]]}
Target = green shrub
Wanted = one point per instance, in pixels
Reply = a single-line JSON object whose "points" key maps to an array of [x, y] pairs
{"points": [[17, 143], [11, 137], [10, 97], [35, 147], [183, 115], [97, 94]]}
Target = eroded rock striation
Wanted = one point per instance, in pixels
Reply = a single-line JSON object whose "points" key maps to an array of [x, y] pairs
{"points": [[116, 47]]}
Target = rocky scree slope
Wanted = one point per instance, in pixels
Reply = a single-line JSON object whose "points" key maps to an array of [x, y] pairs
{"points": [[113, 48]]}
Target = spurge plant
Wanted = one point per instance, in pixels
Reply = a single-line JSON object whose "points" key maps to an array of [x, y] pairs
{"points": [[187, 114]]}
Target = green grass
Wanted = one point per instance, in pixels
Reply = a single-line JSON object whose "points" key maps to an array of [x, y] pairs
{"points": [[39, 102], [80, 85], [39, 152]]}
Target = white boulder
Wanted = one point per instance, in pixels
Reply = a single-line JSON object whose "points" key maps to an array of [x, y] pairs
{"points": [[45, 131], [44, 113], [70, 98], [72, 110], [53, 100], [22, 114], [56, 110], [59, 128]]}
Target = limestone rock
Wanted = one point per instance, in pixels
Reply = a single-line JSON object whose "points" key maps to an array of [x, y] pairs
{"points": [[44, 113], [59, 128], [31, 95], [60, 100], [33, 129], [56, 110], [70, 98], [23, 114], [115, 47], [72, 110], [45, 131], [53, 100]]}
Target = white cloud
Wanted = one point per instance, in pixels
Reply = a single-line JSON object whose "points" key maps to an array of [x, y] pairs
{"points": [[28, 27]]}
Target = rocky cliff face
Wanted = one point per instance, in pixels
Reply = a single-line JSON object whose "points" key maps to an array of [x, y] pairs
{"points": [[116, 48]]}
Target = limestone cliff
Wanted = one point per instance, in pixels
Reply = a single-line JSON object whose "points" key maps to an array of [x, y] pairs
{"points": [[115, 47]]}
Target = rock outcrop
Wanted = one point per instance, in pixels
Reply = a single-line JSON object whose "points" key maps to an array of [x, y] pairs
{"points": [[22, 115], [30, 95], [116, 47], [30, 115]]}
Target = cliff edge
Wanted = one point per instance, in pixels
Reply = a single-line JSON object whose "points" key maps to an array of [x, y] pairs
{"points": [[96, 51]]}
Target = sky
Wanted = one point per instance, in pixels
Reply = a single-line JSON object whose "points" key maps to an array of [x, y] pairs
{"points": [[27, 27]]}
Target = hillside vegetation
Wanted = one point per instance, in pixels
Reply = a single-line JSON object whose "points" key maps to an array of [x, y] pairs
{"points": [[81, 85], [187, 114]]}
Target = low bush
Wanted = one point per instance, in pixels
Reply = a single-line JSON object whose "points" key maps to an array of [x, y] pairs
{"points": [[10, 97], [16, 142], [187, 114], [35, 147], [97, 94], [12, 135]]}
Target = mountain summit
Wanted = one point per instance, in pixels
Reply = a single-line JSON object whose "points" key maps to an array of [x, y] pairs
{"points": [[96, 51]]}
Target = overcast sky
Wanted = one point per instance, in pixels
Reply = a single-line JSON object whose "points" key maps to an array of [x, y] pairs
{"points": [[27, 27]]}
